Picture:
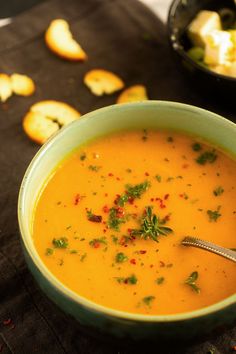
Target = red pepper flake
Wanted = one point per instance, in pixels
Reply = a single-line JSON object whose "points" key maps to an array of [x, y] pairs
{"points": [[136, 206], [106, 194], [162, 264], [166, 196], [167, 217], [117, 199], [110, 174], [131, 200], [77, 199], [185, 165], [133, 261], [7, 322], [129, 231], [120, 212], [152, 199], [142, 251], [147, 174], [151, 265], [95, 218], [106, 209], [104, 230], [96, 244], [181, 195], [118, 178]]}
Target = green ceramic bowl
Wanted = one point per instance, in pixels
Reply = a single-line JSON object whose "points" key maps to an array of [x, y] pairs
{"points": [[149, 114]]}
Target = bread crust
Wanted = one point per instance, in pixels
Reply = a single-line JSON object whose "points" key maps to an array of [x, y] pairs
{"points": [[102, 82]]}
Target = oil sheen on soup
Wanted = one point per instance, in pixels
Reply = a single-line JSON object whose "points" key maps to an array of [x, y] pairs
{"points": [[110, 220]]}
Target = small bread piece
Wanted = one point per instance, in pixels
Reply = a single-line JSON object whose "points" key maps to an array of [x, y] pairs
{"points": [[5, 87], [47, 117], [102, 82], [133, 94], [59, 39], [22, 85]]}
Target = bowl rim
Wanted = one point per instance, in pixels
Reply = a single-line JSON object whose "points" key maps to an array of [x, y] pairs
{"points": [[66, 291], [178, 48]]}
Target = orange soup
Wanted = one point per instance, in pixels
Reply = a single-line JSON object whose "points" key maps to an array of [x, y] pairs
{"points": [[110, 220]]}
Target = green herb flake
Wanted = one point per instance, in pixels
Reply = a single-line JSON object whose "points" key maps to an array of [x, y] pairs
{"points": [[60, 242], [214, 214], [83, 156], [128, 170], [132, 280], [158, 178], [160, 280], [114, 220], [92, 217], [49, 251], [94, 168], [133, 192], [73, 251], [196, 147], [191, 281], [114, 239], [121, 257], [148, 300], [206, 157], [151, 227], [82, 258], [218, 191], [96, 242]]}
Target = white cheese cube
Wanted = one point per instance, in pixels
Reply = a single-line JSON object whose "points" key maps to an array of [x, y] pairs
{"points": [[203, 23], [219, 48], [233, 39]]}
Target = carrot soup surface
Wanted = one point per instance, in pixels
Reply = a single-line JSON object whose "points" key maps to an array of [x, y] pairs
{"points": [[110, 220]]}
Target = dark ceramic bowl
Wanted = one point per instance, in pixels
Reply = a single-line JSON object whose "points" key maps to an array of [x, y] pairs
{"points": [[181, 13]]}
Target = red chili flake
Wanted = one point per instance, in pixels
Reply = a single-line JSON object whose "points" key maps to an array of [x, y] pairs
{"points": [[77, 199], [162, 264], [181, 195], [129, 231], [136, 206], [146, 174], [120, 212], [133, 261], [142, 251], [151, 266], [106, 209], [104, 230], [117, 199], [96, 244], [131, 200], [126, 281], [106, 194], [185, 165], [166, 196], [95, 218], [7, 322], [110, 174], [167, 217], [152, 199], [118, 178]]}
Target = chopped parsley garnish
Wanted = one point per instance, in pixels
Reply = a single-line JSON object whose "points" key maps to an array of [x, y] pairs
{"points": [[73, 251], [82, 156], [214, 214], [148, 300], [218, 191], [94, 168], [151, 227], [158, 178], [132, 280], [114, 239], [60, 242], [196, 147], [191, 281], [207, 156], [121, 257], [160, 280], [92, 217], [49, 251], [114, 219], [133, 192], [96, 242]]}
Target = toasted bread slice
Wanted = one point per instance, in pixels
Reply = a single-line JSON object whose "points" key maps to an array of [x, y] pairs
{"points": [[22, 85], [47, 117], [59, 39], [133, 94], [5, 87], [102, 82]]}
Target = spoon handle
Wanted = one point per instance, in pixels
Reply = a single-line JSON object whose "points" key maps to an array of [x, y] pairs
{"points": [[211, 247]]}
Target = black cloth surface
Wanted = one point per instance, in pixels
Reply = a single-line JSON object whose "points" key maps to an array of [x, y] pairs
{"points": [[118, 35]]}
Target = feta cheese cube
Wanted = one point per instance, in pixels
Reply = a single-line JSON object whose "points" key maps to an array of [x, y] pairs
{"points": [[203, 23], [219, 47]]}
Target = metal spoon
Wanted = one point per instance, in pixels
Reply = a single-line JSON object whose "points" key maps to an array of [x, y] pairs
{"points": [[211, 247]]}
